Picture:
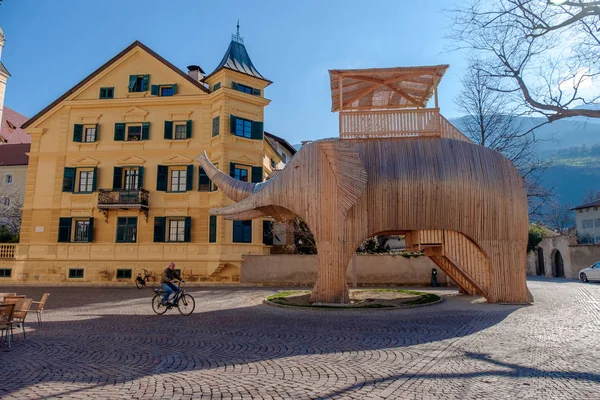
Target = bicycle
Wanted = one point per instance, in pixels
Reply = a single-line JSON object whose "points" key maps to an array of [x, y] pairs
{"points": [[184, 302], [141, 282]]}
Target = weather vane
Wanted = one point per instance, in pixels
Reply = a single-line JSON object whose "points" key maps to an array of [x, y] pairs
{"points": [[236, 37]]}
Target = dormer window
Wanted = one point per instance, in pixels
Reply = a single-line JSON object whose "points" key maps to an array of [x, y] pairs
{"points": [[138, 83]]}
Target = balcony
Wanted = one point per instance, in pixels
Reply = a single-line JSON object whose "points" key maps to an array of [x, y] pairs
{"points": [[7, 251], [124, 199], [427, 122]]}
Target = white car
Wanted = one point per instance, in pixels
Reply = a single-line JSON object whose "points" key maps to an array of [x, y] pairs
{"points": [[590, 274]]}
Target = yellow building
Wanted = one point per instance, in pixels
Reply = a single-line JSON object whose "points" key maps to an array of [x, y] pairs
{"points": [[112, 187]]}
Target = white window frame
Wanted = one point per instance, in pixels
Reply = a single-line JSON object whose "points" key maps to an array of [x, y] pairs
{"points": [[85, 237], [85, 185], [89, 134], [182, 131], [178, 180], [131, 178], [176, 230]]}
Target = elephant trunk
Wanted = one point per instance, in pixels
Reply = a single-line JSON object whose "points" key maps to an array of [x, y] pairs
{"points": [[232, 188]]}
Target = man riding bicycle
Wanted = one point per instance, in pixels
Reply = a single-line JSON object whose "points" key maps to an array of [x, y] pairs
{"points": [[168, 276]]}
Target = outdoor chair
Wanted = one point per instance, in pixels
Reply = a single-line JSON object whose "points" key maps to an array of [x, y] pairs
{"points": [[6, 321], [38, 307], [3, 295], [20, 313], [13, 299]]}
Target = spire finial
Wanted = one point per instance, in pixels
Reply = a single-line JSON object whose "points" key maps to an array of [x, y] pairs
{"points": [[236, 37]]}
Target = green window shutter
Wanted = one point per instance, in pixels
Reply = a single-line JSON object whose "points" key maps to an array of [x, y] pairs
{"points": [[232, 124], [154, 90], [140, 177], [95, 179], [145, 130], [212, 231], [120, 131], [232, 169], [234, 86], [188, 129], [256, 92], [217, 86], [91, 231], [145, 82], [69, 179], [78, 133], [257, 174], [187, 232], [160, 224], [162, 178], [257, 130], [189, 183], [64, 230], [132, 80], [268, 233], [169, 130], [174, 89], [215, 127], [203, 181], [117, 178]]}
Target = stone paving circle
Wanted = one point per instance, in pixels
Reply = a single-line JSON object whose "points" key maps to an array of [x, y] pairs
{"points": [[106, 343]]}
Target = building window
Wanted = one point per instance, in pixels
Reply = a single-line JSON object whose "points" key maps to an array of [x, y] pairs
{"points": [[107, 92], [273, 164], [178, 178], [138, 83], [75, 272], [163, 90], [90, 134], [215, 126], [217, 86], [166, 90], [176, 230], [283, 158], [587, 223], [241, 174], [597, 223], [8, 179], [5, 201], [123, 274], [86, 181], [242, 231], [212, 229], [243, 128], [134, 133], [180, 131], [82, 228], [131, 177], [5, 272], [126, 230], [245, 89]]}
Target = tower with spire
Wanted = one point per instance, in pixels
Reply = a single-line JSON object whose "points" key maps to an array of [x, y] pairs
{"points": [[4, 75]]}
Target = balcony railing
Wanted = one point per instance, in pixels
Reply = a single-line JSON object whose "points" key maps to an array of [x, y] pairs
{"points": [[7, 250], [122, 198], [396, 123]]}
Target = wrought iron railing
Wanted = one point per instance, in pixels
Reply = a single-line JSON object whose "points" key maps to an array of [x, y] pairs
{"points": [[122, 198], [7, 250]]}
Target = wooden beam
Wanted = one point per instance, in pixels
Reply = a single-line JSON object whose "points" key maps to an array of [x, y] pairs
{"points": [[358, 95], [405, 95]]}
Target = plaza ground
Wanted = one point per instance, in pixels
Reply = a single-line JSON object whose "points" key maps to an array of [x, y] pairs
{"points": [[107, 343]]}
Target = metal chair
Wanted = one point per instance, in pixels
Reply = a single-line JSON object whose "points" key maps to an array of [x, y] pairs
{"points": [[38, 307], [20, 313], [6, 321]]}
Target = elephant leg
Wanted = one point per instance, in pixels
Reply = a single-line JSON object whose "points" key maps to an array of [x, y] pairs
{"points": [[331, 286]]}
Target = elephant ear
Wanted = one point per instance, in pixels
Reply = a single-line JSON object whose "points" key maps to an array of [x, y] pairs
{"points": [[348, 171]]}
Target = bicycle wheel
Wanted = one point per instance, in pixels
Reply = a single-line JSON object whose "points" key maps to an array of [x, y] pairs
{"points": [[186, 304], [150, 281], [139, 283], [157, 306]]}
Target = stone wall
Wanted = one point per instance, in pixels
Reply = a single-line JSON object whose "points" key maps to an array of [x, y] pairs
{"points": [[583, 255], [550, 246], [301, 270]]}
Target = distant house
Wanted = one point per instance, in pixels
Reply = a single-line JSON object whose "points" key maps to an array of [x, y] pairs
{"points": [[13, 176], [587, 217], [10, 130]]}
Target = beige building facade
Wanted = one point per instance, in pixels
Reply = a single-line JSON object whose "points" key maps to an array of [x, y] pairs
{"points": [[113, 188]]}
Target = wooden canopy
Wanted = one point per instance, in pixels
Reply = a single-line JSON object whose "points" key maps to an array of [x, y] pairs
{"points": [[384, 88]]}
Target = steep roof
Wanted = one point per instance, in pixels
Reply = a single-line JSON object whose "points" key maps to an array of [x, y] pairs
{"points": [[595, 203], [282, 141], [14, 154], [3, 70], [137, 43], [236, 58], [10, 128]]}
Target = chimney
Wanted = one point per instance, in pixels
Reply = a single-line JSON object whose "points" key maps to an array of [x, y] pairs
{"points": [[195, 72]]}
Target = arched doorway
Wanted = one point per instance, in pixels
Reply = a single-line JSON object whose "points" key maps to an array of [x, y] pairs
{"points": [[540, 262], [558, 268]]}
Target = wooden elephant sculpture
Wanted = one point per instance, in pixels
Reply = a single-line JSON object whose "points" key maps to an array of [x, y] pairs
{"points": [[463, 204]]}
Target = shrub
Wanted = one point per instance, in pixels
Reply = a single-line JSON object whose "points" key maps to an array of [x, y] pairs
{"points": [[536, 235]]}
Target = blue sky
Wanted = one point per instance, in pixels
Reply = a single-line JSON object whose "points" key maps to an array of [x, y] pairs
{"points": [[52, 45]]}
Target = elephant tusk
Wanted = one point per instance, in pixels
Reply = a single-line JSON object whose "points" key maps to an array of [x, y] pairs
{"points": [[232, 188]]}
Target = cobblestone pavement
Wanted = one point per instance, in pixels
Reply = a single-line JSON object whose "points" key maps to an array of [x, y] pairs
{"points": [[105, 343]]}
